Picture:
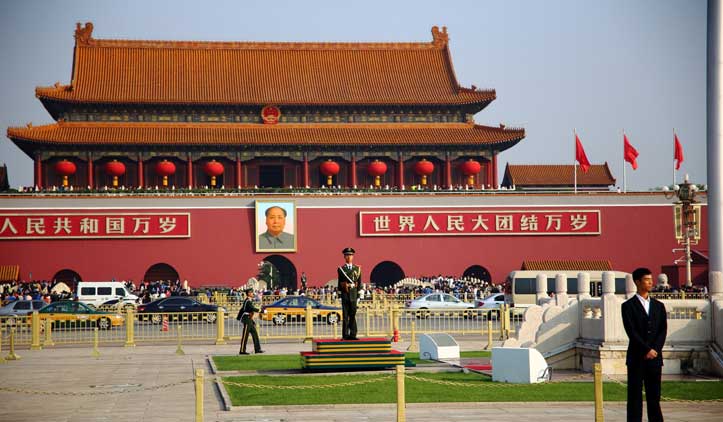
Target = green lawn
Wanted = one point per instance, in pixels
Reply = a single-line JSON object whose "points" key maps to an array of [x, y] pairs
{"points": [[287, 362], [476, 388]]}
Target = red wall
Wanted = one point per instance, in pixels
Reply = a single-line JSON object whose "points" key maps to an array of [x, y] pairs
{"points": [[221, 247]]}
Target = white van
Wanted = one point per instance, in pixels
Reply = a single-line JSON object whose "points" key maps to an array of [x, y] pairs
{"points": [[522, 285], [98, 292]]}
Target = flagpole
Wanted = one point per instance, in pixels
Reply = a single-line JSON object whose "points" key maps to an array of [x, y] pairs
{"points": [[625, 179], [574, 161]]}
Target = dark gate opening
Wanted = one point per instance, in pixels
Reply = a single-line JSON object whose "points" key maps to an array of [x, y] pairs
{"points": [[161, 272], [69, 277], [479, 272], [286, 269], [385, 274], [271, 176]]}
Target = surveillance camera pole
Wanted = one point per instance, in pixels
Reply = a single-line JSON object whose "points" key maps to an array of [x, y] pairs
{"points": [[686, 199]]}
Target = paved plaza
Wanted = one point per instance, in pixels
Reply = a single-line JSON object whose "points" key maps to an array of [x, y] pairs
{"points": [[164, 392]]}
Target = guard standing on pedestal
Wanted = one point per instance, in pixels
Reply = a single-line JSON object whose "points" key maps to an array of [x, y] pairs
{"points": [[349, 276], [246, 315]]}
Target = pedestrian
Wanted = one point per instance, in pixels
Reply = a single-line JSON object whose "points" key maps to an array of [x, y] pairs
{"points": [[349, 278], [246, 316], [645, 322]]}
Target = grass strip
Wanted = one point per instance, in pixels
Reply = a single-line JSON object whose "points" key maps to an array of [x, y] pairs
{"points": [[476, 388]]}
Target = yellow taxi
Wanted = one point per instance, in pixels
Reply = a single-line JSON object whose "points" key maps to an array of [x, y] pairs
{"points": [[293, 308], [79, 314]]}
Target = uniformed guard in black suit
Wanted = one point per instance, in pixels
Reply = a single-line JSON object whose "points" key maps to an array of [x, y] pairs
{"points": [[349, 276], [646, 325], [246, 315]]}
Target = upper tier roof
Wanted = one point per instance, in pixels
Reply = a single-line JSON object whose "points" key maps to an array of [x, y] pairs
{"points": [[556, 175], [319, 134], [257, 73]]}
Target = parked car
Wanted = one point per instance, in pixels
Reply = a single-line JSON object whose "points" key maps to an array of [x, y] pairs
{"points": [[177, 307], [98, 292], [19, 308], [115, 305], [68, 312], [492, 303], [293, 308], [437, 301]]}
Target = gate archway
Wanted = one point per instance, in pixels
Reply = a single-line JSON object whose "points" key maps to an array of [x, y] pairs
{"points": [[161, 272], [69, 277], [386, 273], [287, 271], [479, 272]]}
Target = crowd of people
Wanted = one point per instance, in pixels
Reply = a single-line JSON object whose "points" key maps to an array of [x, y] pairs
{"points": [[35, 290]]}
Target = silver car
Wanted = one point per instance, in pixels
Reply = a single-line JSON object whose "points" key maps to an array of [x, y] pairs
{"points": [[19, 308], [439, 302]]}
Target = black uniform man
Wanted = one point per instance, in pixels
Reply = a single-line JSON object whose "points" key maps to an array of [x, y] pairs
{"points": [[349, 276], [246, 315], [645, 322]]}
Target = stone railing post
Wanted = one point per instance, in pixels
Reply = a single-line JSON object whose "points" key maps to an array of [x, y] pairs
{"points": [[630, 288], [583, 286], [561, 290], [541, 288]]}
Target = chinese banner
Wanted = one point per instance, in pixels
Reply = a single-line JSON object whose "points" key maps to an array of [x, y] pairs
{"points": [[479, 223], [95, 226]]}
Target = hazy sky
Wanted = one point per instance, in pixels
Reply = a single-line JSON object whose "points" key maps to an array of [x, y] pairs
{"points": [[599, 66]]}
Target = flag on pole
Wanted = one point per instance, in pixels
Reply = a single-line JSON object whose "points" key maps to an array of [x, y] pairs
{"points": [[630, 153], [580, 155], [678, 156]]}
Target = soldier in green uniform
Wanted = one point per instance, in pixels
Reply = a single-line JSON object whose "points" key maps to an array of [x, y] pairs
{"points": [[349, 277], [246, 315]]}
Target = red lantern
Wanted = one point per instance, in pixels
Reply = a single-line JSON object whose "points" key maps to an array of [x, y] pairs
{"points": [[116, 169], [65, 168], [377, 169], [165, 168], [214, 169], [424, 168], [329, 169], [470, 168]]}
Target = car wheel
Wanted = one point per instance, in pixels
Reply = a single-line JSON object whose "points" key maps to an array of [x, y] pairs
{"points": [[423, 313], [211, 317], [156, 318], [104, 324], [332, 318], [279, 319]]}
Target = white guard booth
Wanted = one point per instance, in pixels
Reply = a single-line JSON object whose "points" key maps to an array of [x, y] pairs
{"points": [[438, 346], [518, 365]]}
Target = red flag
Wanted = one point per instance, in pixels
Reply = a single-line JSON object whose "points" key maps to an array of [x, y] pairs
{"points": [[630, 153], [678, 156], [580, 155]]}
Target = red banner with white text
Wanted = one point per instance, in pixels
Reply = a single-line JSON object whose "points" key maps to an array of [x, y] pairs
{"points": [[479, 223], [95, 226]]}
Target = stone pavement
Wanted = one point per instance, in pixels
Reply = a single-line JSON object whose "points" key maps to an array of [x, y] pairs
{"points": [[164, 392]]}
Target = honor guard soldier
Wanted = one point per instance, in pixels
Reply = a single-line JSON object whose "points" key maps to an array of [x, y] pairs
{"points": [[349, 276], [246, 315]]}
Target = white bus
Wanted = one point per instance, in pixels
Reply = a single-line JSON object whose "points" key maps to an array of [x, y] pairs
{"points": [[522, 285]]}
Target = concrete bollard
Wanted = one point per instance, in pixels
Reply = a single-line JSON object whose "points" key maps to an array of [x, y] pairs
{"points": [[400, 394], [179, 349], [198, 382], [599, 416], [95, 353]]}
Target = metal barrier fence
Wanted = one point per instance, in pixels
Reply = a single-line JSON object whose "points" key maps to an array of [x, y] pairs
{"points": [[131, 328]]}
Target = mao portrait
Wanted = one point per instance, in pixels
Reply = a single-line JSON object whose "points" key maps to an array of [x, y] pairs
{"points": [[275, 226]]}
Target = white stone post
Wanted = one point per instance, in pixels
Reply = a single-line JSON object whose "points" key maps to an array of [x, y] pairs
{"points": [[561, 290], [541, 288], [715, 285], [583, 286], [630, 288], [613, 330]]}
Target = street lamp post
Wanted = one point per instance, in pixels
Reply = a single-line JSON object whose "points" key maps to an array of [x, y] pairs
{"points": [[686, 223]]}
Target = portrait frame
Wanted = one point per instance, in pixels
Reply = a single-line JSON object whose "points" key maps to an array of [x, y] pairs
{"points": [[262, 233]]}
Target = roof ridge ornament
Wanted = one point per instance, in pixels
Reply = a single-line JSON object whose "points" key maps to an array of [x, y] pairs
{"points": [[84, 34], [440, 38]]}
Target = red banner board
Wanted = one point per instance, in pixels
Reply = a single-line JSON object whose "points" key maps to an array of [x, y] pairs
{"points": [[480, 223], [95, 226]]}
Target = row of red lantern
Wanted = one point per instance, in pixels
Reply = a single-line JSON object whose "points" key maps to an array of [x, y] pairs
{"points": [[116, 169], [423, 168]]}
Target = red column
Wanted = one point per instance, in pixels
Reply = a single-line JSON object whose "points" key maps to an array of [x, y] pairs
{"points": [[239, 182], [400, 167], [38, 171], [90, 172], [448, 171], [353, 171], [140, 172], [306, 170], [189, 171], [494, 170], [489, 173]]}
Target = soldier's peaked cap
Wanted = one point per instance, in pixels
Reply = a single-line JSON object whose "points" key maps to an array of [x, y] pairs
{"points": [[348, 251]]}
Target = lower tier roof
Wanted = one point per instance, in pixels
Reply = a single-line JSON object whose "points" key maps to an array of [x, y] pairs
{"points": [[310, 134]]}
